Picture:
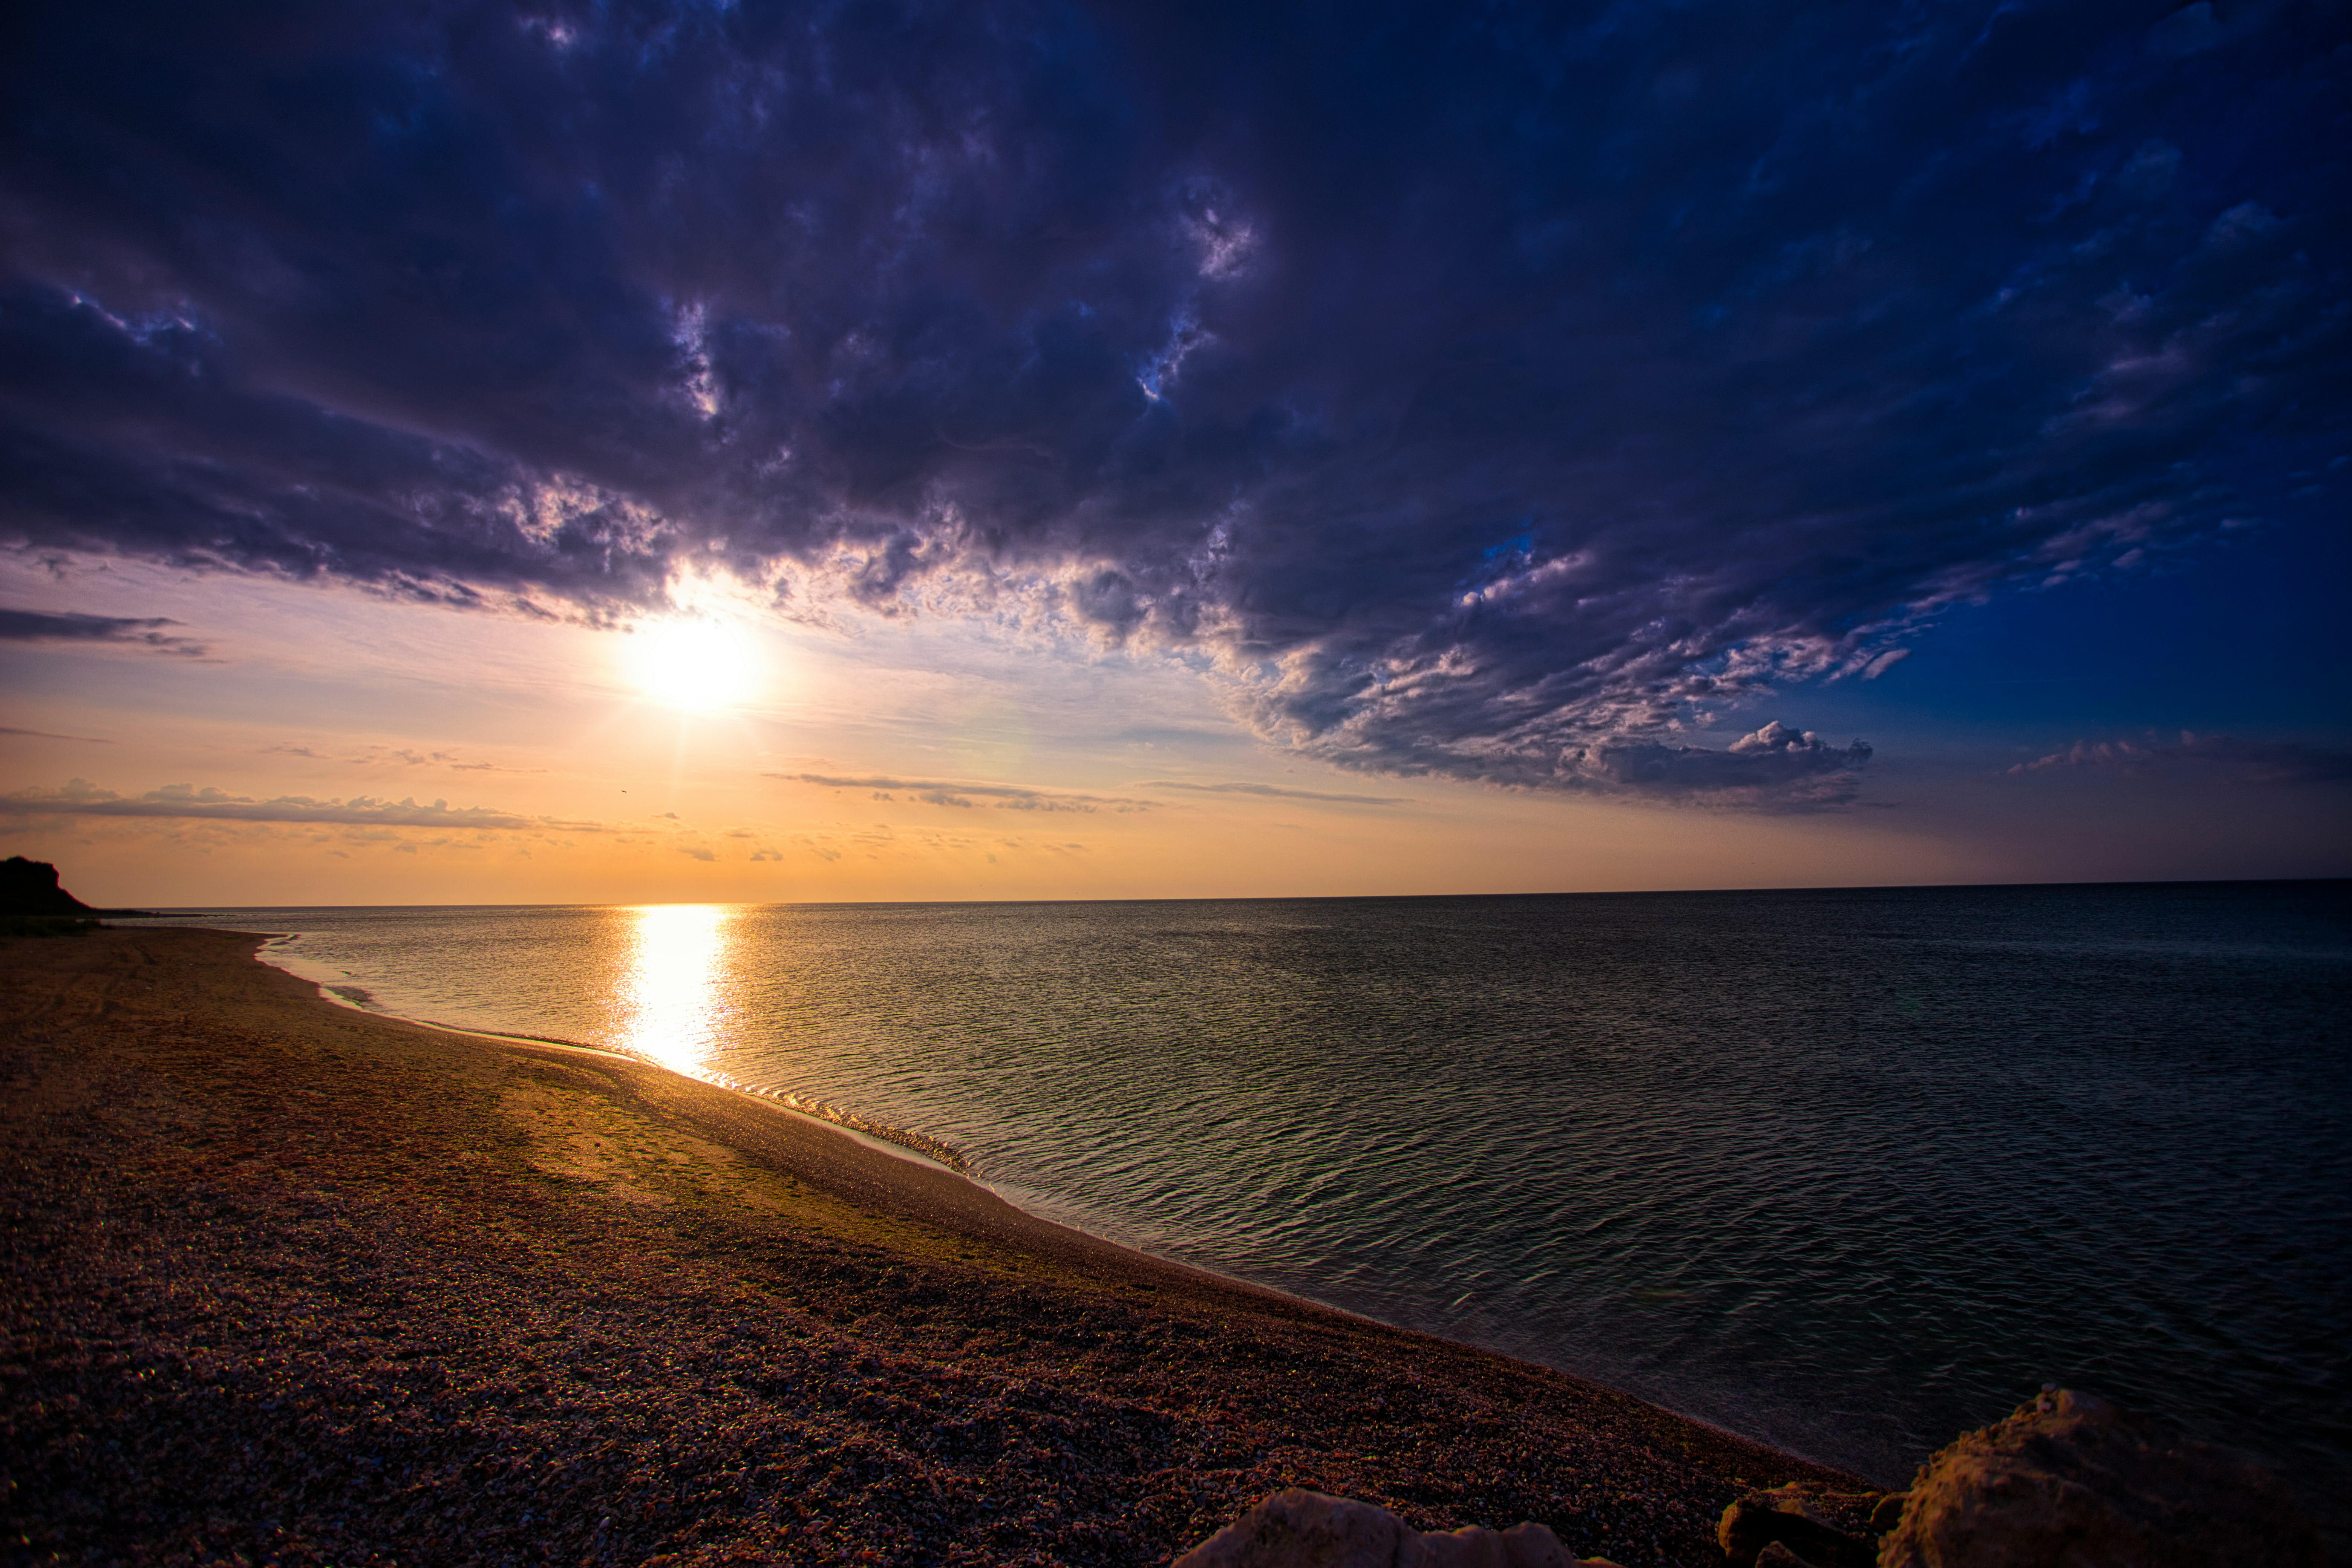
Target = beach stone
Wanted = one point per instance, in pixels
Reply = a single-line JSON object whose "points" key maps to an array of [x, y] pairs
{"points": [[1764, 1519], [1776, 1554], [2076, 1481], [1888, 1512], [1298, 1529]]}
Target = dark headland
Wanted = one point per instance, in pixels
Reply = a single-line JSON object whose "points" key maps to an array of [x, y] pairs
{"points": [[295, 1284], [31, 896]]}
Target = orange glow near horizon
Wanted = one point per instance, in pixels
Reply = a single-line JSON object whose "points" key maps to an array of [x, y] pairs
{"points": [[674, 1008]]}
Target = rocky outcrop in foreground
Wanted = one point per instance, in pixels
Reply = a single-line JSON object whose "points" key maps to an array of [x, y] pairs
{"points": [[2076, 1480], [2071, 1481], [1299, 1529]]}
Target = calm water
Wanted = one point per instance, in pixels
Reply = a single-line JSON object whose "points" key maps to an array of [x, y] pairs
{"points": [[1847, 1170]]}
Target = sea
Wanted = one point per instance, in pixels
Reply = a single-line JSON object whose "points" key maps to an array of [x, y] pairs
{"points": [[1846, 1171]]}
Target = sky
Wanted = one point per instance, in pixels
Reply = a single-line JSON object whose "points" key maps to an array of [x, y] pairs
{"points": [[647, 452]]}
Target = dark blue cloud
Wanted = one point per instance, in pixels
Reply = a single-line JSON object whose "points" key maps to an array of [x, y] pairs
{"points": [[1491, 391]]}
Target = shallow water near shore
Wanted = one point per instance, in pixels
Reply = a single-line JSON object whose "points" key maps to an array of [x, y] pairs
{"points": [[1846, 1171]]}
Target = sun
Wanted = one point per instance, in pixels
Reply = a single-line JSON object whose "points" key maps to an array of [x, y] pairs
{"points": [[697, 664]]}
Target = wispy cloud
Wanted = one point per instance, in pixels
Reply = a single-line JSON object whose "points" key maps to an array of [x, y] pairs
{"points": [[2251, 762], [1276, 792], [81, 798], [50, 735], [404, 756], [147, 632], [967, 794]]}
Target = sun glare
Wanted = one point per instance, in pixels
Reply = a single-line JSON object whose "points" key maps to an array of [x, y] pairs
{"points": [[693, 664]]}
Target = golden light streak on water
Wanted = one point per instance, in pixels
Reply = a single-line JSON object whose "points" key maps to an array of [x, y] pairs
{"points": [[676, 1005]]}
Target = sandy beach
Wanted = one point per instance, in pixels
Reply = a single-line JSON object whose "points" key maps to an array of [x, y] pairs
{"points": [[292, 1283]]}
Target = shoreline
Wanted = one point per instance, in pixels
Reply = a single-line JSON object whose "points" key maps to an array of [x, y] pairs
{"points": [[914, 1144], [914, 1151], [877, 1142], [915, 1154], [248, 1213]]}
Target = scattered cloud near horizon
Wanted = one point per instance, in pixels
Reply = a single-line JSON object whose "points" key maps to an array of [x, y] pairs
{"points": [[81, 798], [1502, 393]]}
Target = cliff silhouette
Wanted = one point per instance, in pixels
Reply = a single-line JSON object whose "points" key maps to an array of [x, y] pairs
{"points": [[30, 888]]}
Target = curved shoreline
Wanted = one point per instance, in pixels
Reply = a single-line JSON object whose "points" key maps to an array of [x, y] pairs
{"points": [[361, 1000], [913, 1149], [892, 1148], [307, 1282]]}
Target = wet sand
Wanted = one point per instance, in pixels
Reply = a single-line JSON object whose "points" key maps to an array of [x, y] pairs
{"points": [[296, 1284]]}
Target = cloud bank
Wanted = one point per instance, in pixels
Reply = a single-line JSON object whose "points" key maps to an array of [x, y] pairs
{"points": [[1499, 393]]}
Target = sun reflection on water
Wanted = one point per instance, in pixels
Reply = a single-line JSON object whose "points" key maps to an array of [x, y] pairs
{"points": [[676, 1006]]}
